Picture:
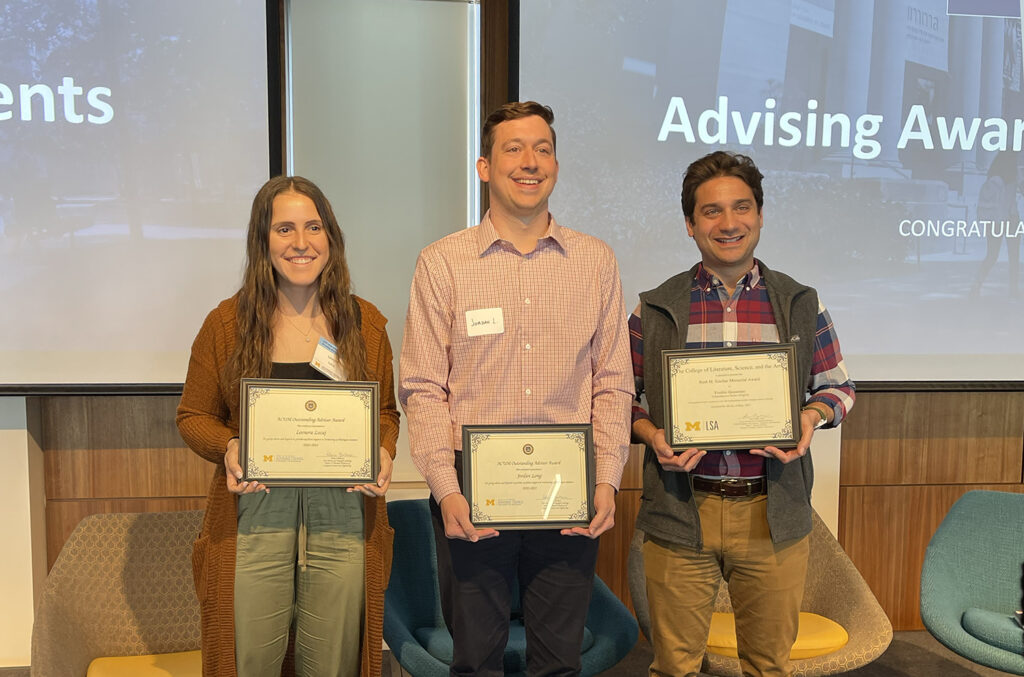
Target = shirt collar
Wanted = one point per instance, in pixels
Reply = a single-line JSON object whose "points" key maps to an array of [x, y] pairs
{"points": [[706, 280], [486, 234]]}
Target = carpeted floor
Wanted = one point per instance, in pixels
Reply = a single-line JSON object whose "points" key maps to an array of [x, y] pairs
{"points": [[911, 654]]}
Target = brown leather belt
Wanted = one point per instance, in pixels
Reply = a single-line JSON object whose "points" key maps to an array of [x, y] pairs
{"points": [[731, 487]]}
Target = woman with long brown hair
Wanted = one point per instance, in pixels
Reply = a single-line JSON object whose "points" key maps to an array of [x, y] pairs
{"points": [[308, 562]]}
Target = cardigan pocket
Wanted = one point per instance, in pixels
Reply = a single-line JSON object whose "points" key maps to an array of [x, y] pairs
{"points": [[200, 550], [388, 551]]}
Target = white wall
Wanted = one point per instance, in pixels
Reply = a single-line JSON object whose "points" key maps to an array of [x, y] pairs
{"points": [[379, 119], [22, 531]]}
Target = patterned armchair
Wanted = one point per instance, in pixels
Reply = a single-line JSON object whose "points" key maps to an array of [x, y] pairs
{"points": [[121, 586], [834, 589]]}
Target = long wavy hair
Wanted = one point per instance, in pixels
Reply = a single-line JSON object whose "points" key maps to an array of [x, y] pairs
{"points": [[257, 299]]}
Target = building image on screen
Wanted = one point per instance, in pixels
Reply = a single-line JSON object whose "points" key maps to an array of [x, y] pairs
{"points": [[876, 124], [132, 139]]}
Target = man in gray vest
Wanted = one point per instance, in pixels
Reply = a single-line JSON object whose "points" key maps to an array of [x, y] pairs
{"points": [[744, 514]]}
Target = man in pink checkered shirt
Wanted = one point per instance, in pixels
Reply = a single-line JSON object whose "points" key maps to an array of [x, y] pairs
{"points": [[516, 320]]}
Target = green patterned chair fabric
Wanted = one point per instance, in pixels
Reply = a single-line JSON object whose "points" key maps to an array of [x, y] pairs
{"points": [[834, 589], [121, 586]]}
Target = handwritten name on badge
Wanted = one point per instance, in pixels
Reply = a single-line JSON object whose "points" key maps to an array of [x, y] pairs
{"points": [[325, 360], [485, 321]]}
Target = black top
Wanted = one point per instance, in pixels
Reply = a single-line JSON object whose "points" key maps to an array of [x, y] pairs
{"points": [[295, 371]]}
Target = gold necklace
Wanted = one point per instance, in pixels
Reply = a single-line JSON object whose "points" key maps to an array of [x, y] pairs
{"points": [[305, 335]]}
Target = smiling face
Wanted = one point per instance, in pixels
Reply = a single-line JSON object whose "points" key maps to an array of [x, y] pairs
{"points": [[520, 168], [297, 241], [726, 226]]}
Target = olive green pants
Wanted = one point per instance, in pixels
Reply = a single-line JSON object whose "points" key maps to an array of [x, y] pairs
{"points": [[300, 560]]}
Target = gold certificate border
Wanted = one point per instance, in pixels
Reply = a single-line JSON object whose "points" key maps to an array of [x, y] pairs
{"points": [[785, 436], [581, 434], [253, 390]]}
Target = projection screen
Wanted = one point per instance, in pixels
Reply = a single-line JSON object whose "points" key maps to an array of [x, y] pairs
{"points": [[133, 136], [876, 125]]}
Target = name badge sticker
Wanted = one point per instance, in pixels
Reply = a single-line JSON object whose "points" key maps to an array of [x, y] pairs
{"points": [[485, 321], [325, 360]]}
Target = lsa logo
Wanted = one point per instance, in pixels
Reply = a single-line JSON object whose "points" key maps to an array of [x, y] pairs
{"points": [[268, 458], [489, 501], [695, 425]]}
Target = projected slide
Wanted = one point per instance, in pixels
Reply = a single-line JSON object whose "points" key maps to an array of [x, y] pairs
{"points": [[133, 136], [889, 131]]}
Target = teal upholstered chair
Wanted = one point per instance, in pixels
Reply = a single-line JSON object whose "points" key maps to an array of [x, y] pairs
{"points": [[414, 627], [971, 579]]}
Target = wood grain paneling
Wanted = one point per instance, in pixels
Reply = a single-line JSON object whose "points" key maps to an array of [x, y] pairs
{"points": [[125, 473], [633, 473], [114, 454], [614, 548], [109, 422], [933, 438], [117, 447], [885, 530]]}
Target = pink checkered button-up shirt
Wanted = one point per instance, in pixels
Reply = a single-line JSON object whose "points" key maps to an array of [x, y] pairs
{"points": [[563, 356]]}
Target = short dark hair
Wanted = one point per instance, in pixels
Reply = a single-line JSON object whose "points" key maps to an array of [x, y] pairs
{"points": [[714, 165], [514, 110]]}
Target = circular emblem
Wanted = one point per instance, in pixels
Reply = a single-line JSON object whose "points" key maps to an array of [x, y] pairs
{"points": [[310, 405], [527, 449]]}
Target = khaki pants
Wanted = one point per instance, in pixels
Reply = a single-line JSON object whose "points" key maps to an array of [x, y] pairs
{"points": [[766, 584], [300, 558]]}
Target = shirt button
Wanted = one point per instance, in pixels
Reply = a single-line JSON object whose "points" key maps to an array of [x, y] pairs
{"points": [[729, 309], [528, 391], [527, 301], [728, 452], [528, 346], [728, 344]]}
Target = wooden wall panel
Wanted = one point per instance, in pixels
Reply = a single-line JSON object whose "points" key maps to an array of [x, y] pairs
{"points": [[124, 473], [885, 531], [614, 548], [933, 438], [114, 454]]}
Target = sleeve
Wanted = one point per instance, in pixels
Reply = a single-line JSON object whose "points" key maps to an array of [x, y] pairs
{"points": [[636, 349], [830, 383], [423, 378], [203, 415], [612, 379]]}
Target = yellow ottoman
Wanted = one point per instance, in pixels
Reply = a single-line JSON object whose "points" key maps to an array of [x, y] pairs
{"points": [[181, 664], [816, 636]]}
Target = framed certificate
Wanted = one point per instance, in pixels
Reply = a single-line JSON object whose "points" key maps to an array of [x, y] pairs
{"points": [[528, 476], [309, 433], [731, 398]]}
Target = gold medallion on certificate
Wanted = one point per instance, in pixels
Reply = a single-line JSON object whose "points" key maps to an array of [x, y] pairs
{"points": [[309, 433], [529, 476], [731, 398]]}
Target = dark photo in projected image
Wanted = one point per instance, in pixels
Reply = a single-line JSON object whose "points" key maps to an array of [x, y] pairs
{"points": [[846, 212], [132, 137]]}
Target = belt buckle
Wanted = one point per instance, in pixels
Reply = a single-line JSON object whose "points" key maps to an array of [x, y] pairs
{"points": [[729, 486], [735, 487]]}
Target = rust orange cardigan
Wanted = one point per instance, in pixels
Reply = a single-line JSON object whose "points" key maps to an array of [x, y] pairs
{"points": [[207, 418]]}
